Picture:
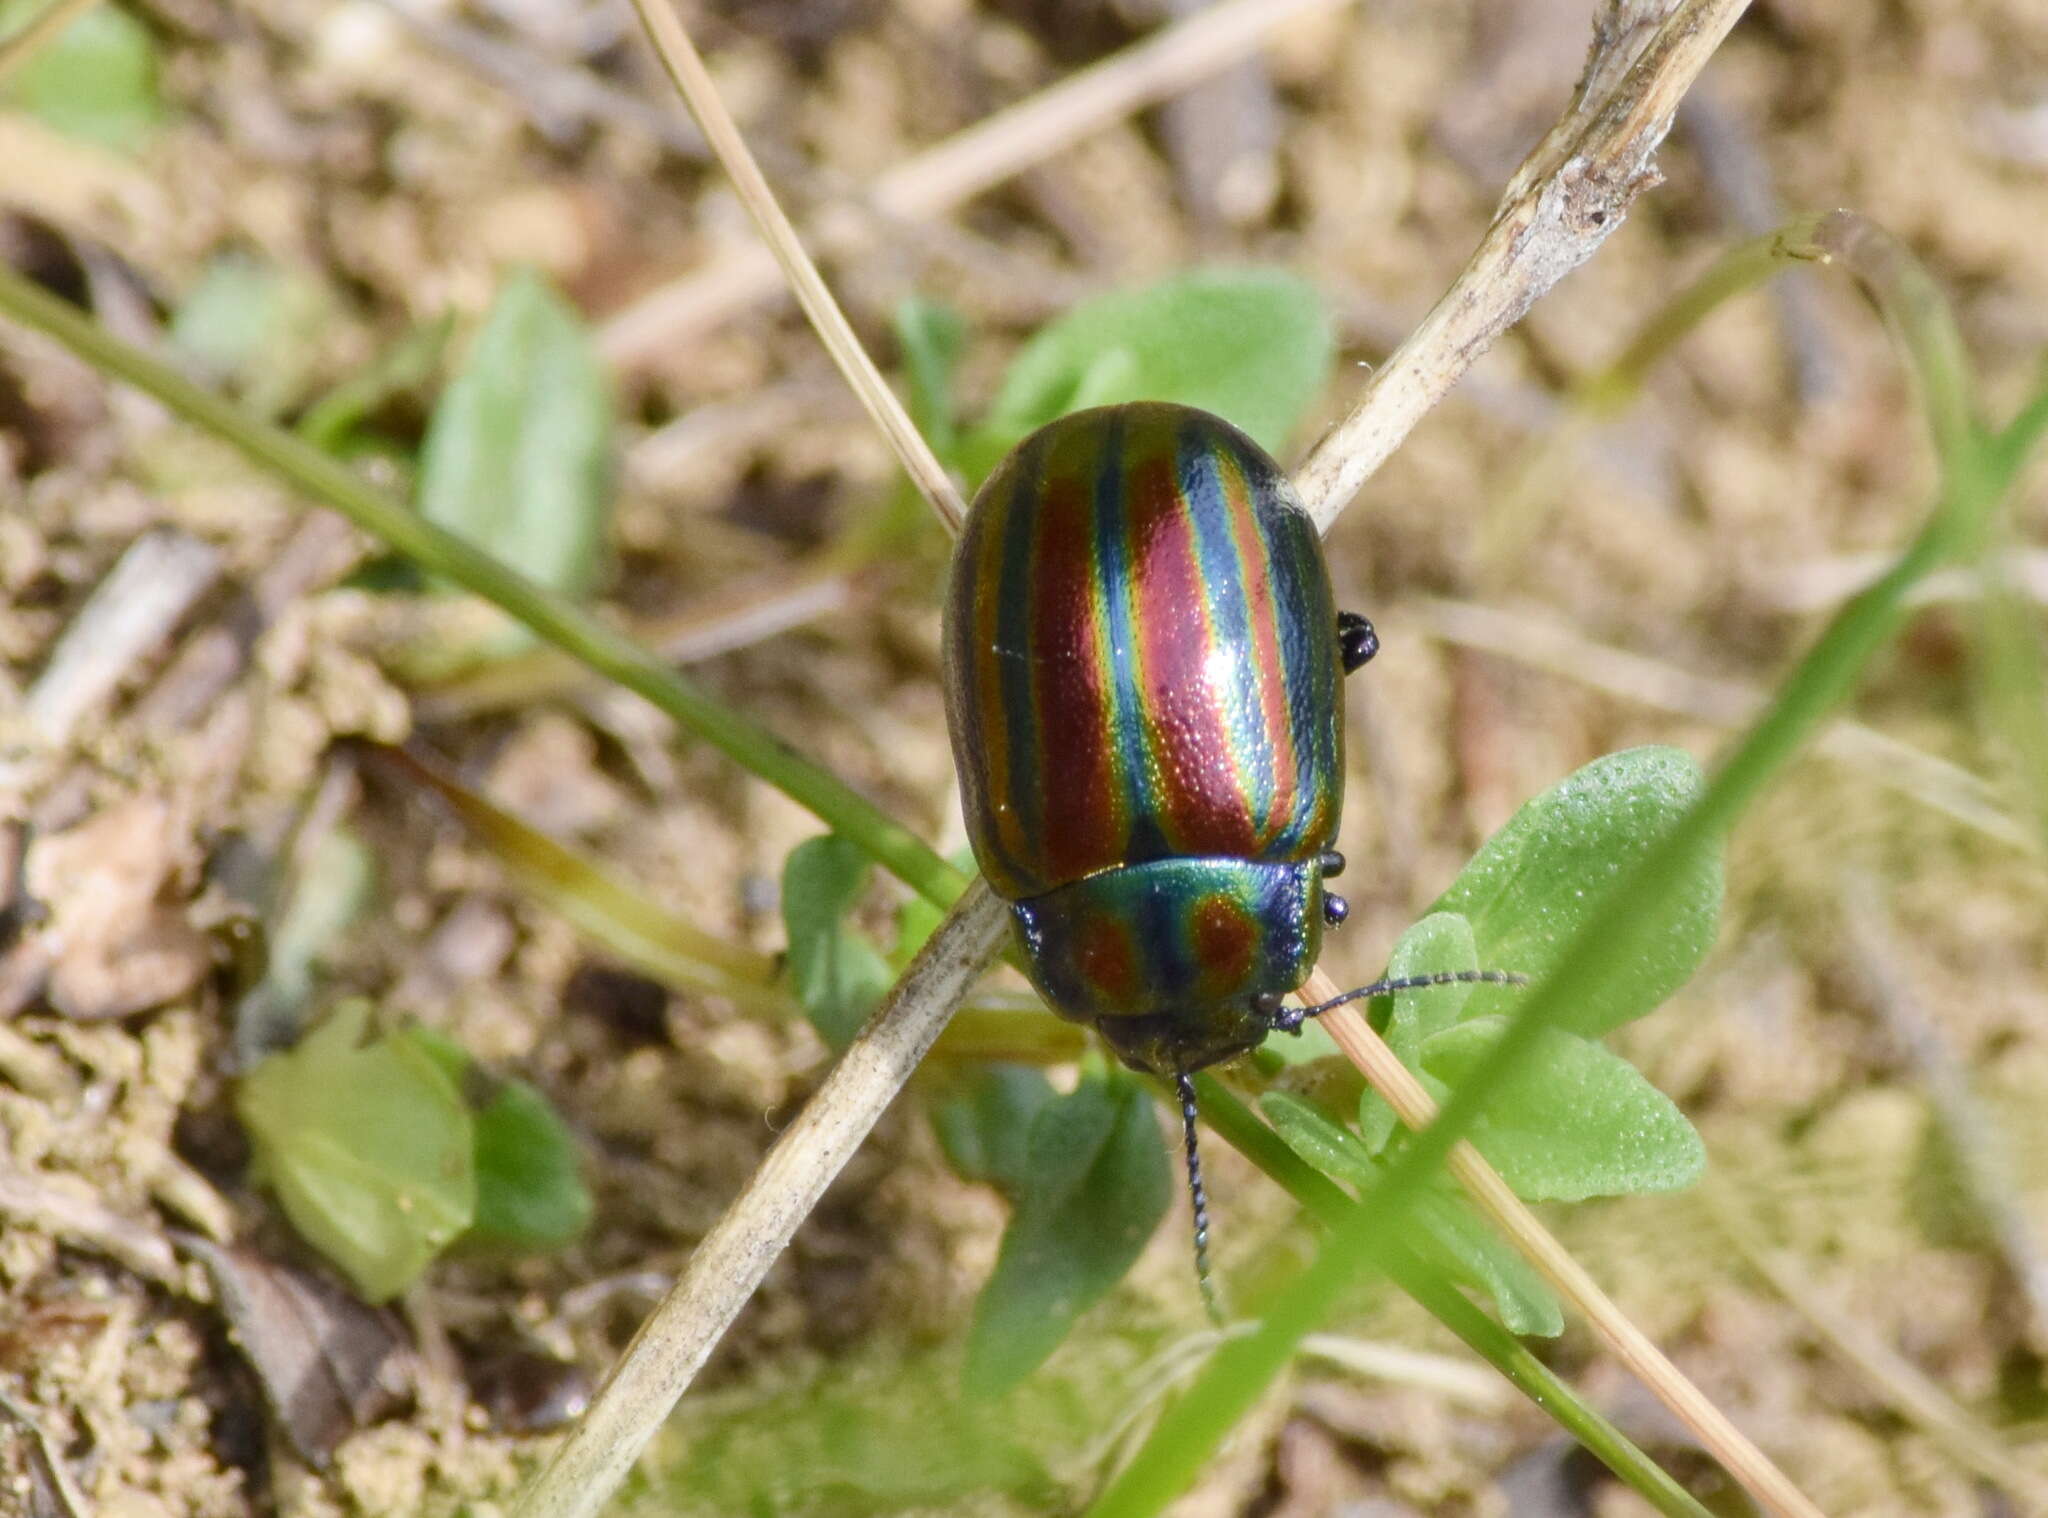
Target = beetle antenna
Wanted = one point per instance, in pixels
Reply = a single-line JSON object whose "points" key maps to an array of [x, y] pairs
{"points": [[1290, 1019], [1184, 1083]]}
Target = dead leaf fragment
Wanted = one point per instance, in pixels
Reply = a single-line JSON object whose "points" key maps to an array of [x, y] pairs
{"points": [[329, 1365], [65, 1208]]}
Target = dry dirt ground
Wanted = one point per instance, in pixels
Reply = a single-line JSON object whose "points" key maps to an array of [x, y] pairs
{"points": [[1881, 974]]}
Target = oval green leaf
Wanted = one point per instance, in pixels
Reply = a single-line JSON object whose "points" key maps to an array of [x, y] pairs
{"points": [[1096, 1189], [368, 1146], [96, 80], [518, 456], [1576, 1121], [1442, 943], [984, 1126], [1319, 1138], [837, 975], [1464, 1244], [1541, 878], [1251, 345], [530, 1194]]}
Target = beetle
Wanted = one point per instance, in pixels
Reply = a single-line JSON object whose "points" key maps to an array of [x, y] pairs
{"points": [[1144, 670]]}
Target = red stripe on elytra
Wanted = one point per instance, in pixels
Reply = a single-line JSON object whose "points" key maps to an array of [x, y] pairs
{"points": [[1263, 627], [1013, 846], [1201, 798], [1076, 778]]}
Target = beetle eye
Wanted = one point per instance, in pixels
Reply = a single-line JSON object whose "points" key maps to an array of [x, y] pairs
{"points": [[1267, 1004]]}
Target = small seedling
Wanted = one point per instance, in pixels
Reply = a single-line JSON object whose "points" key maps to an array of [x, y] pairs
{"points": [[386, 1151]]}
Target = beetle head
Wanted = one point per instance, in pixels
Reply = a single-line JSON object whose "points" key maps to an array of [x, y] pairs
{"points": [[1193, 1038]]}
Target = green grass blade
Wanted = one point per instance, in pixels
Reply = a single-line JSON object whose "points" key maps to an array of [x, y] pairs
{"points": [[1741, 268], [2014, 681], [574, 631], [2016, 444], [1924, 328]]}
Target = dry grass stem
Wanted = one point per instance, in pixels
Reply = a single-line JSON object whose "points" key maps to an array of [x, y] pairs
{"points": [[557, 97], [1904, 1386], [1563, 202], [1546, 645], [66, 1213], [1404, 1093], [146, 595], [963, 166], [1457, 1381], [1981, 1152], [1823, 584], [729, 1264], [679, 56], [730, 618]]}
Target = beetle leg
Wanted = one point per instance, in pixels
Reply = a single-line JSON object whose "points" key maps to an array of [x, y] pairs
{"points": [[1356, 641], [1332, 863], [1335, 908]]}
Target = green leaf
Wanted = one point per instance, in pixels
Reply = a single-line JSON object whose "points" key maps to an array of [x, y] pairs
{"points": [[1462, 1242], [985, 1128], [1097, 1186], [96, 80], [1576, 1121], [1319, 1138], [1541, 878], [369, 1148], [518, 455], [1379, 1124], [530, 1195], [1252, 345], [837, 975], [931, 335], [1440, 942]]}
